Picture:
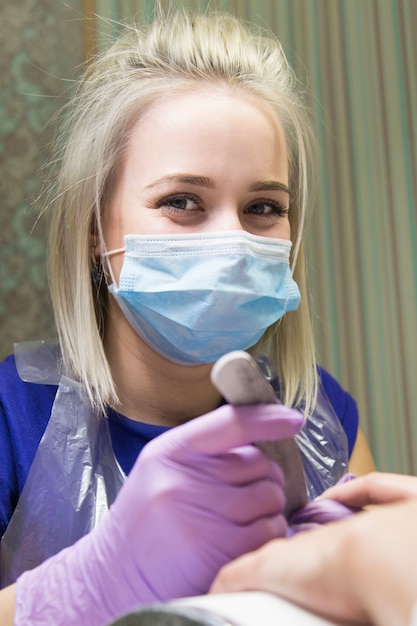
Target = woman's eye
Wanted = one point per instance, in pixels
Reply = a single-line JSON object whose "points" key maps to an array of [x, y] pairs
{"points": [[268, 209], [179, 202]]}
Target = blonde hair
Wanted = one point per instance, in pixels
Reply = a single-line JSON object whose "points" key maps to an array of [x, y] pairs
{"points": [[175, 52]]}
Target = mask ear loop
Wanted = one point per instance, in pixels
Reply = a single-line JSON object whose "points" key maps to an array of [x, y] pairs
{"points": [[106, 255]]}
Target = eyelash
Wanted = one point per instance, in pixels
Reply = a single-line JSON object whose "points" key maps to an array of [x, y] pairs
{"points": [[278, 209], [164, 202]]}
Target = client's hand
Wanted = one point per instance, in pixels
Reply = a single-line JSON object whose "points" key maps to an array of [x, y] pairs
{"points": [[198, 496], [361, 569]]}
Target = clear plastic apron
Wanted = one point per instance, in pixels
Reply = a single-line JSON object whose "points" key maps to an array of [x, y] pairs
{"points": [[75, 477], [324, 447]]}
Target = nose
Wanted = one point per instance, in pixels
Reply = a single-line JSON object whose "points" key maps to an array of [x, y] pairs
{"points": [[223, 219]]}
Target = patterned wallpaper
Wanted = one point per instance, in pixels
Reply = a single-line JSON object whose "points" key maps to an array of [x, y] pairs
{"points": [[41, 48]]}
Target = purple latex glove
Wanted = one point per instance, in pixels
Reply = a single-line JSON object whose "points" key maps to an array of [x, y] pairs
{"points": [[320, 511], [198, 496]]}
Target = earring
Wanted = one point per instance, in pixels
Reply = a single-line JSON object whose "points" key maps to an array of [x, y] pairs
{"points": [[96, 268]]}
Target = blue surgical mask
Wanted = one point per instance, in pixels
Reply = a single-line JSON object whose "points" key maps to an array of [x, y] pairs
{"points": [[194, 297]]}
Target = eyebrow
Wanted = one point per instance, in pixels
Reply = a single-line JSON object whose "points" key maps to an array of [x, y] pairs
{"points": [[205, 181], [269, 185], [200, 181]]}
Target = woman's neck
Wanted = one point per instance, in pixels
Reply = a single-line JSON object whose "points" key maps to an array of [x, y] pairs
{"points": [[152, 389]]}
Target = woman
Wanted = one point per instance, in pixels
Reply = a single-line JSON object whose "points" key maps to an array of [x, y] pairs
{"points": [[176, 237]]}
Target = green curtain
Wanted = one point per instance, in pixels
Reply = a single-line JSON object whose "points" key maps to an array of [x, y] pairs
{"points": [[358, 59]]}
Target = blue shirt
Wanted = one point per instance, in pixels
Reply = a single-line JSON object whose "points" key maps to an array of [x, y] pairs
{"points": [[25, 409]]}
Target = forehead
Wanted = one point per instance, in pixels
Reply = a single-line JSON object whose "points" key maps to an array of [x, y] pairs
{"points": [[208, 119]]}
